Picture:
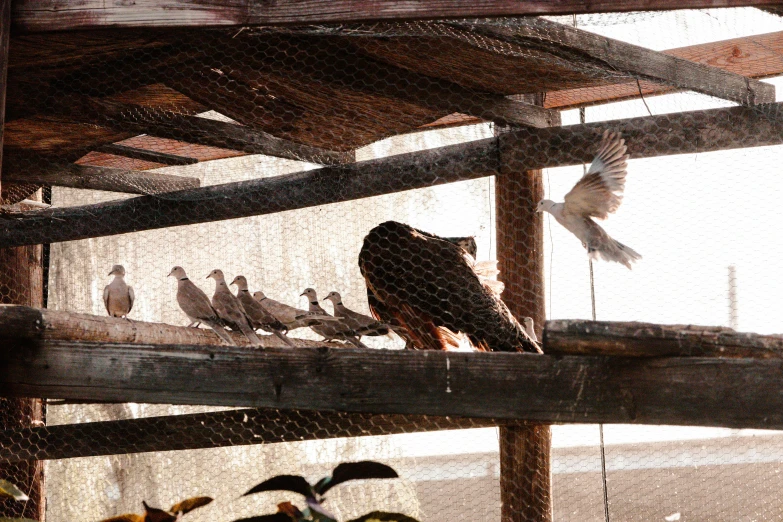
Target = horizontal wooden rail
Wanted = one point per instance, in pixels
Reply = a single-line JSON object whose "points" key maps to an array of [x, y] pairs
{"points": [[524, 149], [738, 392], [212, 430]]}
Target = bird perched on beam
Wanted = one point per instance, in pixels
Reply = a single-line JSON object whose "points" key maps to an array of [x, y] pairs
{"points": [[256, 314], [427, 285], [229, 309], [118, 296], [195, 303], [329, 331], [598, 194], [359, 323], [290, 316]]}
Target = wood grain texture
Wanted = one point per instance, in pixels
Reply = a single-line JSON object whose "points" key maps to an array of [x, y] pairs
{"points": [[163, 158], [213, 430], [51, 15], [657, 340], [694, 391]]}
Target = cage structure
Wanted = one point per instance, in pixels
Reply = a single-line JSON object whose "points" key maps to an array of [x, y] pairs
{"points": [[198, 134]]}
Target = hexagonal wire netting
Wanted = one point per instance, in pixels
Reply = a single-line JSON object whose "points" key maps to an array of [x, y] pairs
{"points": [[117, 138]]}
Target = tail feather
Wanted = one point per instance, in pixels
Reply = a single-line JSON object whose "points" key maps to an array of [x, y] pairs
{"points": [[250, 334], [283, 338], [222, 333]]}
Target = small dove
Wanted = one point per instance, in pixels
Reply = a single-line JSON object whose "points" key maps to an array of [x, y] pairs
{"points": [[598, 194], [258, 316], [337, 330], [229, 309], [118, 296], [292, 317], [195, 303], [359, 323]]}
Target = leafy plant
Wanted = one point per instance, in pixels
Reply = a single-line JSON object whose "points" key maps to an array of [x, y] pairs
{"points": [[152, 514], [314, 494], [7, 489]]}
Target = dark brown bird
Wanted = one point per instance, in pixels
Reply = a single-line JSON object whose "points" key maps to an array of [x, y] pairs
{"points": [[426, 285]]}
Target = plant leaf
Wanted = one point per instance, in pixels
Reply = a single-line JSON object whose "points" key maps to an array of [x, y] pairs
{"points": [[128, 517], [190, 504], [383, 516], [293, 483], [275, 517], [9, 490], [365, 469]]}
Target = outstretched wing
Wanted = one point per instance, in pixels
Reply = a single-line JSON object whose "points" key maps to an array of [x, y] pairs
{"points": [[366, 469], [600, 191]]}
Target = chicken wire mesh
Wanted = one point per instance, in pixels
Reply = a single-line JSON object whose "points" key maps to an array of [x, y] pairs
{"points": [[298, 138]]}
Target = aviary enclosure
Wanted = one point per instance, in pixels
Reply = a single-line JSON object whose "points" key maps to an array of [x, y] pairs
{"points": [[417, 191]]}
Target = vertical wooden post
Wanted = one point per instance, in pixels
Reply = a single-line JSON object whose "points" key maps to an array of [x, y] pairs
{"points": [[21, 282], [525, 474]]}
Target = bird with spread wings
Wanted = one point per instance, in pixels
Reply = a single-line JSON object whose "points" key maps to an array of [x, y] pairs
{"points": [[598, 194]]}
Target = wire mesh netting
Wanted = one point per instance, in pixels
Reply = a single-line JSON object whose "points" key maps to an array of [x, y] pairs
{"points": [[370, 181]]}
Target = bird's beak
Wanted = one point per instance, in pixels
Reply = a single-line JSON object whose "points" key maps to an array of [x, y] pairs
{"points": [[110, 273], [303, 293]]}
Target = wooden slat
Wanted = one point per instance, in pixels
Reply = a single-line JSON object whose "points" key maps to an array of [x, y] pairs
{"points": [[257, 197], [657, 340], [213, 430], [147, 155], [696, 391], [757, 56], [51, 15], [621, 57]]}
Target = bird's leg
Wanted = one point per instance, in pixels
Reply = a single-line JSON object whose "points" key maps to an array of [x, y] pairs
{"points": [[194, 324]]}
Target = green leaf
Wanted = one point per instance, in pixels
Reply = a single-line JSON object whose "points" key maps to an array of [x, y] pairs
{"points": [[9, 490], [383, 516]]}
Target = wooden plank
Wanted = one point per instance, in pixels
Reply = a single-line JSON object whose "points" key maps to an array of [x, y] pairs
{"points": [[757, 56], [657, 340], [694, 391], [52, 15], [257, 197], [213, 430], [24, 322], [620, 57], [40, 171], [525, 467], [146, 155]]}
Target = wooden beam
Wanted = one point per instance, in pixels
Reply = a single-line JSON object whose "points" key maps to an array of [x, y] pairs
{"points": [[657, 340], [146, 155], [619, 58], [257, 197], [525, 467], [51, 15], [29, 323], [757, 56], [26, 169], [213, 430], [694, 391]]}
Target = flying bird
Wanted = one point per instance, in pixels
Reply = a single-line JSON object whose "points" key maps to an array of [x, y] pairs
{"points": [[332, 330], [598, 194], [118, 296], [359, 323], [258, 316], [428, 286], [229, 309], [152, 514], [290, 316], [195, 303]]}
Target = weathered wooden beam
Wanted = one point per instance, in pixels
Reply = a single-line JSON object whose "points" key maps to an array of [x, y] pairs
{"points": [[28, 323], [51, 15], [213, 430], [257, 197], [620, 58], [757, 56], [657, 340], [40, 171], [146, 155], [696, 391]]}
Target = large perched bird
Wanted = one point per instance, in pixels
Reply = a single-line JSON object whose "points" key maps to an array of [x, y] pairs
{"points": [[359, 323], [229, 309], [598, 194], [118, 296], [195, 303], [332, 330], [292, 317], [428, 286], [257, 315]]}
